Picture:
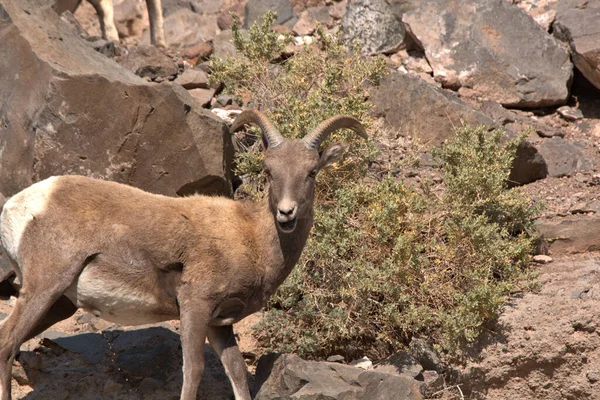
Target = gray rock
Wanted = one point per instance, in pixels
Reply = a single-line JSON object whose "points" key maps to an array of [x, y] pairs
{"points": [[417, 109], [577, 24], [492, 48], [586, 207], [91, 346], [425, 355], [570, 113], [66, 109], [542, 259], [225, 19], [335, 358], [290, 377], [401, 363], [202, 96], [149, 62], [565, 158], [223, 45], [497, 113], [255, 9], [6, 268], [150, 385], [573, 234], [207, 6], [193, 79], [309, 18], [147, 353], [197, 6], [185, 28], [374, 25]]}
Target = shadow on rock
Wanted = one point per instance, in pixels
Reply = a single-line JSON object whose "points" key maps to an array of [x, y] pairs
{"points": [[115, 364]]}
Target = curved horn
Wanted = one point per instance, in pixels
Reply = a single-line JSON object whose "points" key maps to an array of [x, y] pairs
{"points": [[313, 140], [253, 116]]}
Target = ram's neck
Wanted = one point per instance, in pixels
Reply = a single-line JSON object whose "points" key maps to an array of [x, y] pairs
{"points": [[282, 250]]}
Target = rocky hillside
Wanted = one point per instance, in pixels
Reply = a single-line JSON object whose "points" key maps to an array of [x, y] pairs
{"points": [[73, 103]]}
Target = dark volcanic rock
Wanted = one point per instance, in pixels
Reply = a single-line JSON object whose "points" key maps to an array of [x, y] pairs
{"points": [[578, 24], [565, 158], [374, 25], [289, 377], [417, 109], [255, 9], [492, 48], [65, 109], [148, 61]]}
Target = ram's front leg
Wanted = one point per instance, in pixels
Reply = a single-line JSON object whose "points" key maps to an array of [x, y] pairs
{"points": [[223, 341], [194, 316]]}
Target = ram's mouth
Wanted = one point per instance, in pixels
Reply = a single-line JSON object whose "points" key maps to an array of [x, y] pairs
{"points": [[287, 226]]}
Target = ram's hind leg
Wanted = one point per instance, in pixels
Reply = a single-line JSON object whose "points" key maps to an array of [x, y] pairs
{"points": [[62, 309], [33, 310]]}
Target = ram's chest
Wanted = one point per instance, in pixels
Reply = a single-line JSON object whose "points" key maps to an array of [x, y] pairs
{"points": [[238, 300]]}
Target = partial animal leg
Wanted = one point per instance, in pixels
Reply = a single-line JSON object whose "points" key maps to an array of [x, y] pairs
{"points": [[194, 317], [33, 303], [223, 341], [155, 15], [105, 11], [60, 310]]}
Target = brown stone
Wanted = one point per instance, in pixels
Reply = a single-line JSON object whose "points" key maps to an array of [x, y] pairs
{"points": [[224, 20], [202, 96], [184, 28], [66, 109], [149, 61], [192, 79], [573, 234], [577, 24], [202, 50], [493, 48]]}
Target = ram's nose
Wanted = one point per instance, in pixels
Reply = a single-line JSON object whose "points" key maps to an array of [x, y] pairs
{"points": [[286, 215]]}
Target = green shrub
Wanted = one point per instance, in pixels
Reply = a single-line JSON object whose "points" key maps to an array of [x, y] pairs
{"points": [[297, 93], [385, 261]]}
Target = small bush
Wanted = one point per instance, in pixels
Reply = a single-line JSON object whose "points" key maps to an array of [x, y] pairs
{"points": [[318, 82], [385, 262]]}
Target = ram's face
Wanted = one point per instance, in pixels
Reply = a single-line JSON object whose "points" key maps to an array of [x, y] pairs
{"points": [[291, 169]]}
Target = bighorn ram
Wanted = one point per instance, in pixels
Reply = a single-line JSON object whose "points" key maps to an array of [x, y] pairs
{"points": [[131, 257], [105, 11]]}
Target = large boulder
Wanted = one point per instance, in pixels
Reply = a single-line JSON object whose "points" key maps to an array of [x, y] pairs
{"points": [[66, 109], [289, 377], [255, 9], [417, 109], [572, 234], [565, 158], [374, 25], [577, 23], [186, 28], [493, 48]]}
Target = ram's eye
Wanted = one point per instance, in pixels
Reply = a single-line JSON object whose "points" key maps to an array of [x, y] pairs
{"points": [[312, 173]]}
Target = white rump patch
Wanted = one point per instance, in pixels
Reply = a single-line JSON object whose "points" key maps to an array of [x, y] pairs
{"points": [[20, 209]]}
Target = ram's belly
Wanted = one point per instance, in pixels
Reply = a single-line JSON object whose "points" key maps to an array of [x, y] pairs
{"points": [[123, 302]]}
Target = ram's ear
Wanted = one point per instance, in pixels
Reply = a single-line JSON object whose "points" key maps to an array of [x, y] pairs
{"points": [[332, 155]]}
